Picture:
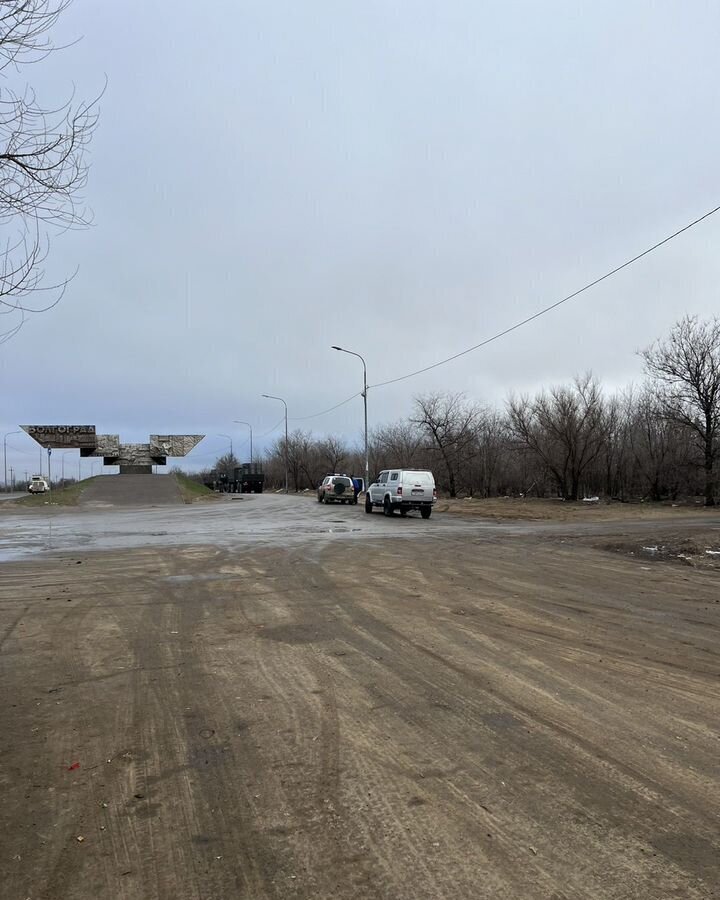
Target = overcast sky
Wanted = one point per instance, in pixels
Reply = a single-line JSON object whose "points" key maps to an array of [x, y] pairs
{"points": [[402, 178]]}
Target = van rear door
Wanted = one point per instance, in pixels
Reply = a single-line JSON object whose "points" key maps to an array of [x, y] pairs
{"points": [[418, 486]]}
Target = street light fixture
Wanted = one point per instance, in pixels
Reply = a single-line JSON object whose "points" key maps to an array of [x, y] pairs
{"points": [[364, 396], [272, 397], [5, 437], [240, 422]]}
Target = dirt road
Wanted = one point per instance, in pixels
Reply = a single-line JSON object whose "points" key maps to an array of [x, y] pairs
{"points": [[465, 712]]}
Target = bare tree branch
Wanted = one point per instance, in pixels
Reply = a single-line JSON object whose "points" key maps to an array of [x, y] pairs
{"points": [[687, 365], [43, 167]]}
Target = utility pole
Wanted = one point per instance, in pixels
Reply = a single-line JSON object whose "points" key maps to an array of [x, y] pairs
{"points": [[5, 437]]}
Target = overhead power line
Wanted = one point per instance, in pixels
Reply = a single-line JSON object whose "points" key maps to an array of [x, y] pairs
{"points": [[552, 306], [325, 411], [270, 431]]}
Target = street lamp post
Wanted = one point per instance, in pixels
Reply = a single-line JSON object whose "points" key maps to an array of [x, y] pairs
{"points": [[272, 397], [240, 422], [5, 437], [364, 396]]}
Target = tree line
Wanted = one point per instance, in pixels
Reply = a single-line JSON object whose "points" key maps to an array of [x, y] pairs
{"points": [[658, 441]]}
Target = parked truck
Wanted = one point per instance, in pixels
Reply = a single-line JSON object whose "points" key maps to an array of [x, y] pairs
{"points": [[38, 485], [249, 478], [246, 479]]}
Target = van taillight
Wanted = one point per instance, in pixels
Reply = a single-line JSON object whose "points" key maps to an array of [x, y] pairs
{"points": [[434, 493], [399, 490]]}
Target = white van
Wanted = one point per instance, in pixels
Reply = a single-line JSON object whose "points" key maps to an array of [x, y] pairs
{"points": [[402, 489], [38, 485]]}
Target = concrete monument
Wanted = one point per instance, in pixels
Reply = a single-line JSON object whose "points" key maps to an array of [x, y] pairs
{"points": [[133, 459]]}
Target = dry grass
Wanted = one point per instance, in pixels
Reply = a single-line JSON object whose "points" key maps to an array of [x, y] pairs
{"points": [[192, 491], [67, 496], [532, 508]]}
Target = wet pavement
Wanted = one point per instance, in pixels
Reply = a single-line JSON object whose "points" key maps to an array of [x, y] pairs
{"points": [[272, 519], [237, 519]]}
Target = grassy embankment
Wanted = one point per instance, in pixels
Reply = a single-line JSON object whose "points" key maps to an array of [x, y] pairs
{"points": [[192, 491]]}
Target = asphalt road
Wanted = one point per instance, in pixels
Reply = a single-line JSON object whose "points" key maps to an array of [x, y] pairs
{"points": [[12, 495], [265, 698]]}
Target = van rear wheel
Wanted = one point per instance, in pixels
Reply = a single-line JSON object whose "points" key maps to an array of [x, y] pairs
{"points": [[387, 507], [425, 512]]}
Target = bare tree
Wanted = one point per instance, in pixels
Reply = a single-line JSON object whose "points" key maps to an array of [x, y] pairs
{"points": [[491, 439], [400, 444], [687, 364], [333, 453], [450, 423], [659, 446], [43, 167], [565, 428], [226, 465], [304, 462]]}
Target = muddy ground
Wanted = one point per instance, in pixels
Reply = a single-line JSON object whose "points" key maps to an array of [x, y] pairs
{"points": [[346, 706]]}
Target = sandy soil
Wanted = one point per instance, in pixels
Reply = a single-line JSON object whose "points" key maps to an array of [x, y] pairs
{"points": [[483, 714]]}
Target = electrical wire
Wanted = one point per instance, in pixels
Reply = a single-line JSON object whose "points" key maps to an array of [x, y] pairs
{"points": [[259, 437], [20, 450], [552, 306], [325, 411]]}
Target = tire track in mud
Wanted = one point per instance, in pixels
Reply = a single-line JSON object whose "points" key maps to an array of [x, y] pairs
{"points": [[396, 645], [208, 783], [411, 862], [445, 876], [296, 689], [71, 730], [332, 715]]}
